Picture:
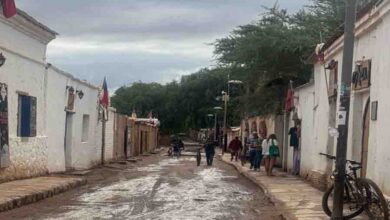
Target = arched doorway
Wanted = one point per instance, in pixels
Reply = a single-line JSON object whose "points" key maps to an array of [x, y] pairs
{"points": [[254, 126], [263, 129], [365, 137]]}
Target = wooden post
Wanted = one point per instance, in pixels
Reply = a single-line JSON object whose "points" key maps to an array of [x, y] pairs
{"points": [[103, 134]]}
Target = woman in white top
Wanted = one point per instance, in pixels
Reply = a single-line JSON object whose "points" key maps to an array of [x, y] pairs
{"points": [[269, 160]]}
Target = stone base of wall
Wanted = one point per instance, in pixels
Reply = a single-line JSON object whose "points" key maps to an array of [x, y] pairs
{"points": [[317, 178], [28, 158]]}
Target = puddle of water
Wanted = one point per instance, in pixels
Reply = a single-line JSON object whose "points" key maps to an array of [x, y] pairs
{"points": [[164, 163], [204, 196]]}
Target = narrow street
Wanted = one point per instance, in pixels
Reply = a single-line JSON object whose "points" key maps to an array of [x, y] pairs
{"points": [[161, 188]]}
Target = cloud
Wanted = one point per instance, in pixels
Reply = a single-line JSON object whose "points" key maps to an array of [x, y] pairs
{"points": [[133, 40], [62, 47]]}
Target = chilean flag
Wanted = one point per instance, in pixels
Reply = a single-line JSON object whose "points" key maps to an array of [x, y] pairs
{"points": [[9, 8], [289, 104], [104, 100]]}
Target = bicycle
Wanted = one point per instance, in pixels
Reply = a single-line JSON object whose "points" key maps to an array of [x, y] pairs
{"points": [[176, 153], [360, 194]]}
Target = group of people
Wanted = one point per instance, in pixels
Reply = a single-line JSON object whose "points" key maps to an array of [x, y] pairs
{"points": [[257, 149]]}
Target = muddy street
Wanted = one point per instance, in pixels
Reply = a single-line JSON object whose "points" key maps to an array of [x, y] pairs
{"points": [[167, 188]]}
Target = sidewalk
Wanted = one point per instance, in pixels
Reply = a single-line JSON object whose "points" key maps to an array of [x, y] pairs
{"points": [[22, 192], [296, 198]]}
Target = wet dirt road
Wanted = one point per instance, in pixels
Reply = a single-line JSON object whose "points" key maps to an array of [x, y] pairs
{"points": [[168, 188]]}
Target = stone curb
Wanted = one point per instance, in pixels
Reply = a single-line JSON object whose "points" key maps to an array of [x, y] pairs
{"points": [[31, 195]]}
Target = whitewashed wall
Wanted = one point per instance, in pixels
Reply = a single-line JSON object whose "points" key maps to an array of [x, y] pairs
{"points": [[23, 44], [372, 34], [313, 109], [373, 44], [21, 39], [28, 155], [306, 112], [109, 135], [83, 154]]}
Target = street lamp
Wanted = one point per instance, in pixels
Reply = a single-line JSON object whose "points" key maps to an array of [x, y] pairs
{"points": [[225, 98], [217, 108], [209, 119], [235, 82]]}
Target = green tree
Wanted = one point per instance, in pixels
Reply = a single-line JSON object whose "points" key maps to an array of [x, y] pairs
{"points": [[265, 54]]}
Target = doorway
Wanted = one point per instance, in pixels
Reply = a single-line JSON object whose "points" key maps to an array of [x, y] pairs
{"points": [[68, 140], [126, 141], [365, 137], [142, 143]]}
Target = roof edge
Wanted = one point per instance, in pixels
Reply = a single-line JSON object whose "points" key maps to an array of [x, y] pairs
{"points": [[62, 72], [35, 22]]}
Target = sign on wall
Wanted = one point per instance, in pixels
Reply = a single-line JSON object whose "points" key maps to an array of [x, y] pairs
{"points": [[4, 144], [361, 78]]}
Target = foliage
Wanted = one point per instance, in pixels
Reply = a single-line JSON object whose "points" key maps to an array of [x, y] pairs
{"points": [[271, 51], [265, 55], [179, 105]]}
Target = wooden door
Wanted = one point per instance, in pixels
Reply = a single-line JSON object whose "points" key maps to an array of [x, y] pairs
{"points": [[4, 145], [125, 141], [365, 138], [68, 140], [142, 142]]}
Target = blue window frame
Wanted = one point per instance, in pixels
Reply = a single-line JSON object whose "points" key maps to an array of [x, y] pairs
{"points": [[27, 116]]}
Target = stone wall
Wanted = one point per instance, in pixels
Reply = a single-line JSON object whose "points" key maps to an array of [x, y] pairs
{"points": [[28, 159]]}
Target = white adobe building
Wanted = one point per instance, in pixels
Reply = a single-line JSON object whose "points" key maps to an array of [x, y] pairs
{"points": [[46, 124], [23, 43], [74, 134], [318, 101]]}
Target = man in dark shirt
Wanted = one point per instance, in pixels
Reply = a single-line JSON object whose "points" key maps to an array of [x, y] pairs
{"points": [[209, 149], [235, 146], [294, 142]]}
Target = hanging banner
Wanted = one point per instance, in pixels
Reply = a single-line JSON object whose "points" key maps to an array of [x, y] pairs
{"points": [[4, 145]]}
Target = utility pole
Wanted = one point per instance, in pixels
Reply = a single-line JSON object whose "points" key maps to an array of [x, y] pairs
{"points": [[215, 126], [343, 112], [216, 109], [225, 99], [103, 134]]}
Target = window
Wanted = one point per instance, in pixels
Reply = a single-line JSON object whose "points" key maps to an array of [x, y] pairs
{"points": [[27, 116], [85, 132]]}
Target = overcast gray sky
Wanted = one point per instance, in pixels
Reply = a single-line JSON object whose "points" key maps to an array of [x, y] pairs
{"points": [[140, 40]]}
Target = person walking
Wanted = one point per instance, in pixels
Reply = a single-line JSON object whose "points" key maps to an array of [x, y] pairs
{"points": [[254, 144], [235, 146], [294, 143], [209, 148], [270, 152], [245, 152], [258, 154]]}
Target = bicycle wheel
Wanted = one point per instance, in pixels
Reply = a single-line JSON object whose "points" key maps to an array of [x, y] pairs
{"points": [[351, 208], [376, 205]]}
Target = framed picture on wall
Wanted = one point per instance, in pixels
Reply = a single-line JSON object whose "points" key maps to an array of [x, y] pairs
{"points": [[374, 110]]}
